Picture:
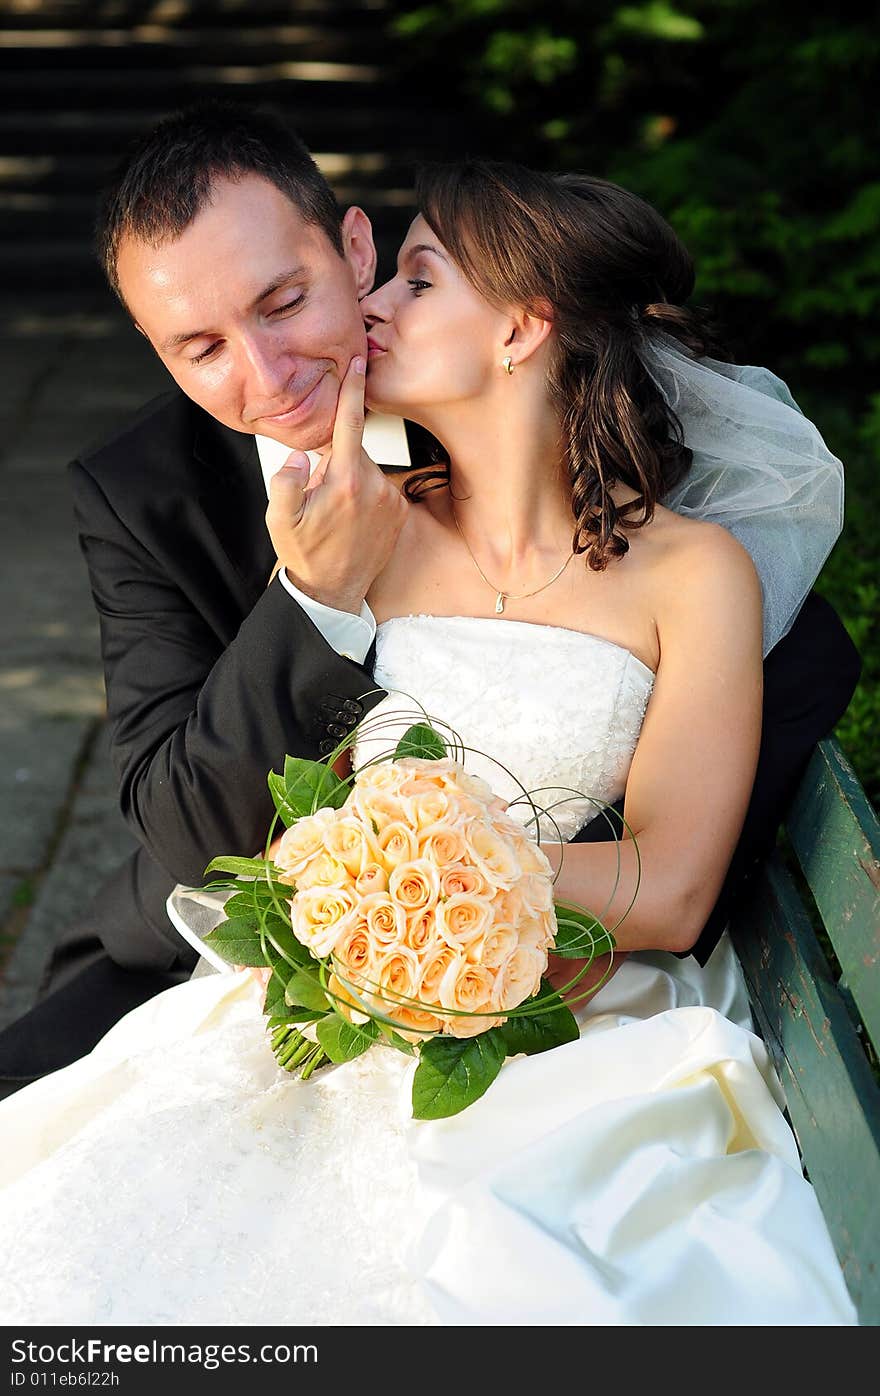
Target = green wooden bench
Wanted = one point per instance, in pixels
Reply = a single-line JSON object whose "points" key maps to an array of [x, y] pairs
{"points": [[816, 1000]]}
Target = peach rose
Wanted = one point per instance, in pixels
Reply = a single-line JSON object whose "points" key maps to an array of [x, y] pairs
{"points": [[475, 786], [468, 880], [374, 878], [414, 1024], [384, 918], [532, 858], [462, 919], [468, 989], [433, 970], [319, 915], [492, 853], [507, 906], [495, 946], [421, 931], [537, 893], [343, 1001], [381, 775], [438, 773], [519, 977], [303, 840], [352, 843], [354, 948], [397, 843], [537, 932], [431, 806], [415, 885], [442, 844], [379, 808], [393, 978], [322, 871]]}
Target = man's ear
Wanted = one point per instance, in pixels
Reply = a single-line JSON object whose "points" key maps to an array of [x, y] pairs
{"points": [[359, 249]]}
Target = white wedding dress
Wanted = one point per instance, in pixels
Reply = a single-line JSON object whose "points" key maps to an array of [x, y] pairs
{"points": [[642, 1175]]}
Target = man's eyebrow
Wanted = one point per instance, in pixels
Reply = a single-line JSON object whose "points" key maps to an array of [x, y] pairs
{"points": [[177, 340]]}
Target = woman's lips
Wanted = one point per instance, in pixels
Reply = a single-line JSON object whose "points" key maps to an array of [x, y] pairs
{"points": [[374, 349], [302, 408]]}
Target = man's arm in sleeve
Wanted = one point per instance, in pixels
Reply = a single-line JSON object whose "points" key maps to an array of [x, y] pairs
{"points": [[198, 719]]}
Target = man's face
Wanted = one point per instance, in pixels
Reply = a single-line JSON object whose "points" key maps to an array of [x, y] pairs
{"points": [[253, 312]]}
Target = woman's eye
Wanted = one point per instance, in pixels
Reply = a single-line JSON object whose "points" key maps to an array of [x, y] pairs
{"points": [[418, 285]]}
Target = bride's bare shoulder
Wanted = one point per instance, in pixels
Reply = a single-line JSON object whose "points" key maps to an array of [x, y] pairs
{"points": [[700, 567]]}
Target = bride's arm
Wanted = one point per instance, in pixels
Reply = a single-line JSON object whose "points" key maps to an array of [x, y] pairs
{"points": [[693, 769]]}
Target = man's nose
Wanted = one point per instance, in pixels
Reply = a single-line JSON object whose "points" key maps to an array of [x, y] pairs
{"points": [[267, 367]]}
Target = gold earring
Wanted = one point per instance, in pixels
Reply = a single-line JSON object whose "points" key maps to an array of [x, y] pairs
{"points": [[507, 364]]}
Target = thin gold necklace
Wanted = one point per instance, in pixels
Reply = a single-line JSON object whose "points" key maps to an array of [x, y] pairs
{"points": [[502, 596]]}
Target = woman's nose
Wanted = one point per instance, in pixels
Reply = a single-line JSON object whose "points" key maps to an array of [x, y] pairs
{"points": [[378, 305]]}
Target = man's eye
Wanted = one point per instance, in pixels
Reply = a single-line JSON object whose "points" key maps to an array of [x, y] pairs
{"points": [[289, 305], [206, 353], [418, 285]]}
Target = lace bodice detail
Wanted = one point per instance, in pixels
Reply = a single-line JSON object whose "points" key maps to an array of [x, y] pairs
{"points": [[560, 709]]}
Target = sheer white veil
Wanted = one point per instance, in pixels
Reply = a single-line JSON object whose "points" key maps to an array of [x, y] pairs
{"points": [[760, 468]]}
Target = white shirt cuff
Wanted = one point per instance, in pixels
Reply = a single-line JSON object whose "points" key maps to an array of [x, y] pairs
{"points": [[350, 635]]}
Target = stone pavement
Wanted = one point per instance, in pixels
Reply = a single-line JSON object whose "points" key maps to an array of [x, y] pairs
{"points": [[70, 368]]}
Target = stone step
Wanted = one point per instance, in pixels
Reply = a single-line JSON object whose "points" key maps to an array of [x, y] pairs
{"points": [[58, 48], [81, 173], [348, 60], [84, 14], [109, 129]]}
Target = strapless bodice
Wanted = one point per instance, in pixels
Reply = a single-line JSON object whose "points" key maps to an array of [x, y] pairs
{"points": [[545, 708]]}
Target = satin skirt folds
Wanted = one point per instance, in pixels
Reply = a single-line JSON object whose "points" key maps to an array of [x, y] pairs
{"points": [[642, 1175]]}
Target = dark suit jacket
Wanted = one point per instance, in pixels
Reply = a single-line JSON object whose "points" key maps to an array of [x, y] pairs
{"points": [[212, 676]]}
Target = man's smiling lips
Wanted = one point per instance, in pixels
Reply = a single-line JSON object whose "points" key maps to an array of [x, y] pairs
{"points": [[299, 410]]}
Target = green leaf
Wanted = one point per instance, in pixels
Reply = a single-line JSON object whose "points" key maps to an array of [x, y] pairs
{"points": [[453, 1072], [287, 1015], [282, 946], [343, 1041], [539, 1033], [579, 936], [237, 939], [305, 787], [255, 867], [421, 740], [304, 991]]}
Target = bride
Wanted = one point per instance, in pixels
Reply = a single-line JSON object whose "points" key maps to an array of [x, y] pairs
{"points": [[543, 602]]}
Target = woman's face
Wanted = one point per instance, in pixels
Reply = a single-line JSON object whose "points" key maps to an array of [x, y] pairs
{"points": [[433, 341]]}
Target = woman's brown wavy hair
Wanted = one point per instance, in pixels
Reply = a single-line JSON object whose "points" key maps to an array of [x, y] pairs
{"points": [[610, 269]]}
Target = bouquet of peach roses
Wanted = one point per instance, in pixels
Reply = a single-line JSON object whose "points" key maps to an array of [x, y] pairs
{"points": [[404, 905]]}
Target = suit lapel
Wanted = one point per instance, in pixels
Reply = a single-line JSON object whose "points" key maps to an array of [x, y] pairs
{"points": [[233, 498]]}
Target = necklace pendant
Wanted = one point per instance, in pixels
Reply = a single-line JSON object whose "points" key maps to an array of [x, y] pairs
{"points": [[499, 603]]}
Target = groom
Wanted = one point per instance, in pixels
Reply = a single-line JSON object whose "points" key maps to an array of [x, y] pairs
{"points": [[230, 592]]}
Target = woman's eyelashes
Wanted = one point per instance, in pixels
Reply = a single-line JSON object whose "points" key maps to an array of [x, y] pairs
{"points": [[418, 285], [279, 311]]}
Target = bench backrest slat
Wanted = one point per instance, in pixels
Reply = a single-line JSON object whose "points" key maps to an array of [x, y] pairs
{"points": [[836, 836], [833, 1099]]}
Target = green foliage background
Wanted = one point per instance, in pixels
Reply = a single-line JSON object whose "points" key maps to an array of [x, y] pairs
{"points": [[753, 128]]}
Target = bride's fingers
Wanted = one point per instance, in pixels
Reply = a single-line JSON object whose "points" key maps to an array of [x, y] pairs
{"points": [[287, 493], [348, 429]]}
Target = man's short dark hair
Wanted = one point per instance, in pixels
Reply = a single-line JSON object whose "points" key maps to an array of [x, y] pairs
{"points": [[167, 178]]}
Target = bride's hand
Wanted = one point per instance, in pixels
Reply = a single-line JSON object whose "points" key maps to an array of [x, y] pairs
{"points": [[560, 972], [334, 532]]}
